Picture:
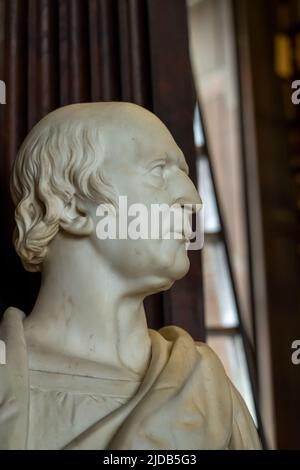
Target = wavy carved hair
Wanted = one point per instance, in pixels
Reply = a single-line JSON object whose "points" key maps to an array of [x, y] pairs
{"points": [[55, 162]]}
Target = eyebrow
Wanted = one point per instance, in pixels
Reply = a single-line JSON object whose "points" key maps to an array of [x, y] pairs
{"points": [[178, 159]]}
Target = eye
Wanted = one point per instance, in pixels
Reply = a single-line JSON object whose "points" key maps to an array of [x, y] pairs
{"points": [[158, 169]]}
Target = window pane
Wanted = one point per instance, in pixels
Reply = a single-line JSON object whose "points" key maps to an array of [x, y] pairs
{"points": [[219, 302], [206, 190], [198, 131], [212, 45]]}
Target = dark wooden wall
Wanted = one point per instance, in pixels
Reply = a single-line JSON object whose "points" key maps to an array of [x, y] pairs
{"points": [[58, 52]]}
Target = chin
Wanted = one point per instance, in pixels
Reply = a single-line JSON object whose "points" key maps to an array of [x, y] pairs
{"points": [[181, 268], [166, 275], [176, 264]]}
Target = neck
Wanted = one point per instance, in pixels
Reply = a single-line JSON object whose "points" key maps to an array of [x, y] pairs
{"points": [[86, 312]]}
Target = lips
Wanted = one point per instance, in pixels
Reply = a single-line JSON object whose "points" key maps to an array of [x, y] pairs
{"points": [[178, 226]]}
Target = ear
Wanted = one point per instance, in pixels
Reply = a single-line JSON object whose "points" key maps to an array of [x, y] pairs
{"points": [[75, 218]]}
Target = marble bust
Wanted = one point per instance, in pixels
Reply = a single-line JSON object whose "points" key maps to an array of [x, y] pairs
{"points": [[83, 370]]}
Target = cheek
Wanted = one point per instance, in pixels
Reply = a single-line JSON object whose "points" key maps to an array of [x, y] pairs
{"points": [[130, 257], [144, 190]]}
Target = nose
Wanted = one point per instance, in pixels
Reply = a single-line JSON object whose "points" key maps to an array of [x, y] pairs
{"points": [[184, 192]]}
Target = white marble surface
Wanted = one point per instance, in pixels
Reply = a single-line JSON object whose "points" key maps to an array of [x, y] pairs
{"points": [[83, 369]]}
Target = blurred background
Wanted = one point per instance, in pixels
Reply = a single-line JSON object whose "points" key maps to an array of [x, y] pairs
{"points": [[219, 73]]}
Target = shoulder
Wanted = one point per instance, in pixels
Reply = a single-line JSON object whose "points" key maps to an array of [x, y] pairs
{"points": [[11, 326], [176, 334], [14, 394], [244, 432], [10, 316], [210, 360], [12, 336], [208, 354], [214, 374], [206, 361], [207, 387]]}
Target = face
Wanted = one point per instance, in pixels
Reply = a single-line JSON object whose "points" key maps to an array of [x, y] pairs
{"points": [[147, 167]]}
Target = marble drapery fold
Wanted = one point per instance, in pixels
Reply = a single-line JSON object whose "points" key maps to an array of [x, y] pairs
{"points": [[185, 400]]}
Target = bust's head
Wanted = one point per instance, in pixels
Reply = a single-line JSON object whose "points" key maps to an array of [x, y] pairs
{"points": [[84, 155]]}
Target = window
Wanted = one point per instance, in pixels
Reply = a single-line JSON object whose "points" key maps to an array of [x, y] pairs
{"points": [[222, 322], [225, 262]]}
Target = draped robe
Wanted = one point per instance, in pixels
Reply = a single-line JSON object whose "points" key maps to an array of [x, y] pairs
{"points": [[184, 401]]}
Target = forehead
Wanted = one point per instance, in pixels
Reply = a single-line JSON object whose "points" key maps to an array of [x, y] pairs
{"points": [[141, 142]]}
